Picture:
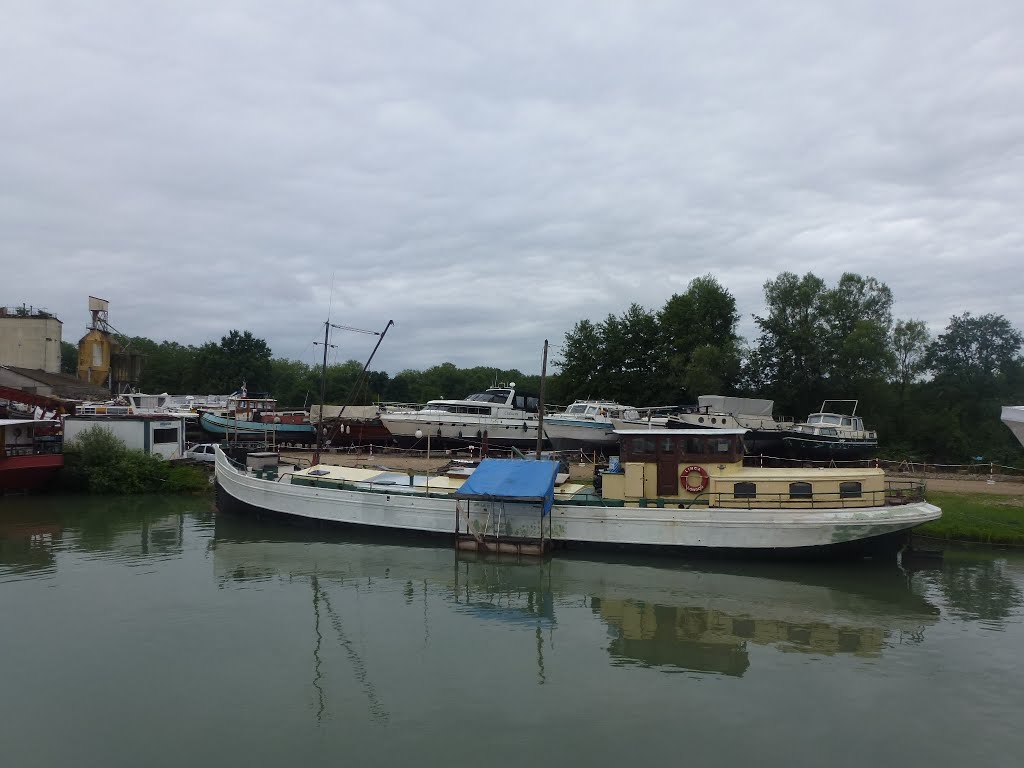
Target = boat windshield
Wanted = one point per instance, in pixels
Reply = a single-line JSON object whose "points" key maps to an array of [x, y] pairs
{"points": [[824, 418], [491, 396]]}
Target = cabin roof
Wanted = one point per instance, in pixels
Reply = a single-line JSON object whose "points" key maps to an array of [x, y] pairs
{"points": [[20, 422], [512, 480]]}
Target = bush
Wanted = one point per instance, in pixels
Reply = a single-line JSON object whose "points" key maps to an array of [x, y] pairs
{"points": [[97, 461]]}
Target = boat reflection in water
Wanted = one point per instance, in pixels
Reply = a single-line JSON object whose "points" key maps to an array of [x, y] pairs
{"points": [[712, 631], [656, 612]]}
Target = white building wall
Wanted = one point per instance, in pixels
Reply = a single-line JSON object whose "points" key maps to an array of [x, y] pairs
{"points": [[173, 449], [31, 342], [133, 432]]}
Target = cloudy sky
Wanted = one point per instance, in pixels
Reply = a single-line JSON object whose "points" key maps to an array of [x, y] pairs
{"points": [[488, 174]]}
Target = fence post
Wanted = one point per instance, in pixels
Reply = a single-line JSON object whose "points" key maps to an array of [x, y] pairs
{"points": [[991, 473]]}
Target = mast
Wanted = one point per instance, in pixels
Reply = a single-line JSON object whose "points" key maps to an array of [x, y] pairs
{"points": [[323, 396], [323, 375], [540, 409]]}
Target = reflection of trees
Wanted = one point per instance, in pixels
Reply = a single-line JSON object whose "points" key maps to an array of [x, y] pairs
{"points": [[980, 589]]}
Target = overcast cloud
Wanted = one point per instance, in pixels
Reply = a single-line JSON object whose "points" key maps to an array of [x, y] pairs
{"points": [[488, 174]]}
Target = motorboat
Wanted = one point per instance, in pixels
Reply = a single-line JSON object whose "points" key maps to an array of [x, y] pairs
{"points": [[830, 434], [1013, 417], [501, 416], [765, 430], [587, 425]]}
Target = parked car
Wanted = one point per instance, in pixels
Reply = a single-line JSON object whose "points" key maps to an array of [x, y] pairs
{"points": [[201, 452]]}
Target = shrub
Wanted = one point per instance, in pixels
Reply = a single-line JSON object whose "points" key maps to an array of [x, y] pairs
{"points": [[97, 461]]}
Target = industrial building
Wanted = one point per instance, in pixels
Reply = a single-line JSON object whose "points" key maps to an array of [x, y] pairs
{"points": [[30, 338], [102, 360]]}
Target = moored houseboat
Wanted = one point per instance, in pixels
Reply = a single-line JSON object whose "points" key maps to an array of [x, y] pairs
{"points": [[30, 454], [678, 490]]}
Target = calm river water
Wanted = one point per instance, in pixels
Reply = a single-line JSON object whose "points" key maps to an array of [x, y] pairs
{"points": [[153, 632]]}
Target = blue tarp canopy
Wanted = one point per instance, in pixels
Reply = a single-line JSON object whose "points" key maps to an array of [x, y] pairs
{"points": [[512, 480]]}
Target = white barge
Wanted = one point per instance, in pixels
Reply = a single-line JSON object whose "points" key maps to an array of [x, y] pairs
{"points": [[685, 490]]}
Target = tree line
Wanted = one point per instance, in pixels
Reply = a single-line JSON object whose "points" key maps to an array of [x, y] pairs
{"points": [[930, 398]]}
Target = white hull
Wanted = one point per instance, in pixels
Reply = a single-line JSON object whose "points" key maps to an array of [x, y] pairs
{"points": [[461, 428], [567, 435], [1013, 417], [701, 528]]}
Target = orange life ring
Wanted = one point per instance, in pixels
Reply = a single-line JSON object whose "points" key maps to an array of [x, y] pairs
{"points": [[685, 477]]}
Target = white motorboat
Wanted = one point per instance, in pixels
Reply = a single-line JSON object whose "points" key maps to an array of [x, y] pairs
{"points": [[587, 425], [500, 416], [672, 489], [1013, 417]]}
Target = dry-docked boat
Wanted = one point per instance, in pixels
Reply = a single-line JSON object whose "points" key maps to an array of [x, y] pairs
{"points": [[501, 416], [257, 419], [721, 412], [1013, 417], [587, 425], [831, 435], [672, 489]]}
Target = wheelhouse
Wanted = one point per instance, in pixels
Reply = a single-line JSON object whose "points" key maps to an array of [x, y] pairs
{"points": [[693, 467]]}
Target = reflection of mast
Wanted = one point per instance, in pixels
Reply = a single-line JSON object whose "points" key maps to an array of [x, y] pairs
{"points": [[358, 665], [317, 673]]}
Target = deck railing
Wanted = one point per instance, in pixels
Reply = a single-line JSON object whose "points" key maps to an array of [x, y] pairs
{"points": [[895, 492]]}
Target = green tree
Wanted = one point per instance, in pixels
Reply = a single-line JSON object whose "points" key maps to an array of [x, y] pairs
{"points": [[910, 340], [69, 358], [820, 343], [580, 362], [240, 357], [974, 351], [699, 349]]}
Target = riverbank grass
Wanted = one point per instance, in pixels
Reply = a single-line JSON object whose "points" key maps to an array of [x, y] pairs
{"points": [[978, 517]]}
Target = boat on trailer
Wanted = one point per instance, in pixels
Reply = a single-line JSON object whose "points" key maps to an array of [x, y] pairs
{"points": [[676, 490]]}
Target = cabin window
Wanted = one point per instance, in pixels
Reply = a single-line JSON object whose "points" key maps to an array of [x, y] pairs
{"points": [[165, 435], [744, 490], [668, 444], [800, 490], [722, 447], [642, 446], [850, 490]]}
